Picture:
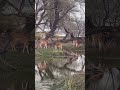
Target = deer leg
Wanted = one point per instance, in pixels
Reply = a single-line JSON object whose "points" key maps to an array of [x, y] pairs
{"points": [[46, 46], [26, 84], [61, 48], [40, 73], [24, 48], [93, 42], [76, 45], [27, 49], [55, 47], [14, 47], [40, 45], [100, 45], [31, 48], [73, 43], [44, 73]]}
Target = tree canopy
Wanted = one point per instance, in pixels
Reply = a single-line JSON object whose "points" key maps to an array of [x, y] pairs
{"points": [[65, 15]]}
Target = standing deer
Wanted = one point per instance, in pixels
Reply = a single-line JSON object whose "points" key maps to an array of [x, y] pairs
{"points": [[58, 45], [42, 67], [98, 40], [43, 43], [44, 70], [19, 38], [76, 43]]}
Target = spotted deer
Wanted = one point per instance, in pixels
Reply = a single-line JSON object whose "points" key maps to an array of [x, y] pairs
{"points": [[58, 45], [76, 43], [42, 67], [98, 40], [19, 38], [43, 43]]}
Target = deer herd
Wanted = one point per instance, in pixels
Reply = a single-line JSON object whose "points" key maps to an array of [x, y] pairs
{"points": [[43, 43], [24, 41], [20, 38], [103, 40], [107, 78], [17, 40]]}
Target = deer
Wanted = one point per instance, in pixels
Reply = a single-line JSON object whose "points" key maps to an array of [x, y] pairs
{"points": [[76, 43], [77, 40], [98, 40], [43, 43], [19, 38], [42, 67], [36, 43], [58, 45]]}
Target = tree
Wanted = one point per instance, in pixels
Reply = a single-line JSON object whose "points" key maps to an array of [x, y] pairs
{"points": [[103, 12], [55, 15], [18, 8]]}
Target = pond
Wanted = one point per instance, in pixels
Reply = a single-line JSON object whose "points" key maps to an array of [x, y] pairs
{"points": [[63, 79]]}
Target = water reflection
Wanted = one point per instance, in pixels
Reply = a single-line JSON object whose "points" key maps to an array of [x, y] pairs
{"points": [[63, 77]]}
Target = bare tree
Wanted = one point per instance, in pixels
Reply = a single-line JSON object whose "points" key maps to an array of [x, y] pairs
{"points": [[54, 11]]}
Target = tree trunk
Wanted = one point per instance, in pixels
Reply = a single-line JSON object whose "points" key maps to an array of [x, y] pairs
{"points": [[53, 26], [30, 24]]}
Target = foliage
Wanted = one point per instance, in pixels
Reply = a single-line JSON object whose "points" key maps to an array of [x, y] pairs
{"points": [[55, 15], [103, 12], [47, 54]]}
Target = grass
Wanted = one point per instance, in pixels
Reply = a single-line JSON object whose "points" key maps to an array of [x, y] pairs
{"points": [[69, 47], [76, 82], [52, 54], [23, 64], [58, 56]]}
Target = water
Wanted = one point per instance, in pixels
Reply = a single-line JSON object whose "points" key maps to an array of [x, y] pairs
{"points": [[44, 85], [61, 75]]}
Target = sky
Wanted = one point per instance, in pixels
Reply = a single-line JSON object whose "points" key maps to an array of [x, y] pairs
{"points": [[81, 12]]}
